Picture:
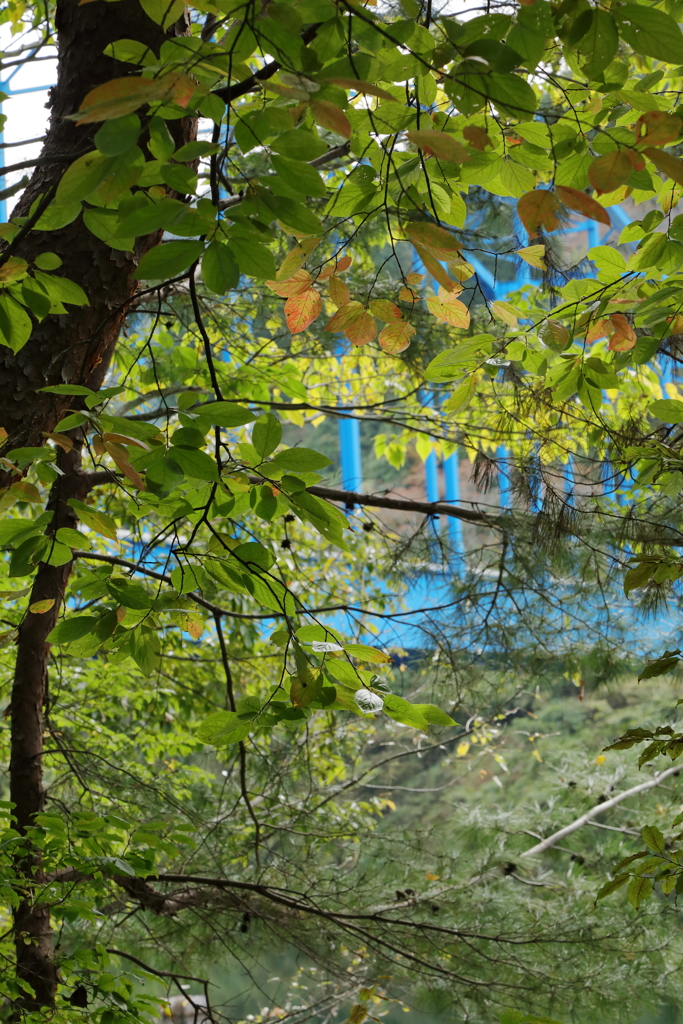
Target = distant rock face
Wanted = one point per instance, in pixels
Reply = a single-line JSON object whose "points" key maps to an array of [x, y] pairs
{"points": [[185, 1010]]}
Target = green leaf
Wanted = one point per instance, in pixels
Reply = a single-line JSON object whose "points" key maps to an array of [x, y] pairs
{"points": [[118, 135], [224, 727], [668, 410], [195, 464], [15, 323], [266, 434], [449, 364], [653, 839], [433, 714], [81, 178], [639, 889], [104, 224], [253, 258], [223, 414], [365, 653], [219, 270], [404, 712], [300, 460], [61, 289], [98, 521], [73, 628], [650, 31], [299, 176], [170, 259], [609, 887], [299, 144], [600, 42]]}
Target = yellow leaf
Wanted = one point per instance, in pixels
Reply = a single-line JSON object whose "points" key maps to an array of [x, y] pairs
{"points": [[40, 607], [533, 255], [505, 312], [339, 292], [396, 337]]}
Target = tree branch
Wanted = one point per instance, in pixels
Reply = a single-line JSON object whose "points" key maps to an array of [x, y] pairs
{"points": [[598, 809]]}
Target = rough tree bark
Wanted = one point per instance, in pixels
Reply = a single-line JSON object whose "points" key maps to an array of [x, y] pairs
{"points": [[76, 348], [32, 932]]}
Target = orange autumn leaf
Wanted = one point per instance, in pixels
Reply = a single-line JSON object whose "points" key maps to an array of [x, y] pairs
{"points": [[657, 128], [477, 137], [600, 329], [538, 210], [339, 292], [624, 337], [408, 295], [414, 278], [361, 330], [331, 117], [299, 282], [302, 309], [451, 311], [386, 311], [396, 337], [344, 315], [439, 144], [581, 203], [336, 267]]}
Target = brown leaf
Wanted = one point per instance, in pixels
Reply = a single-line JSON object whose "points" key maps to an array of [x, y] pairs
{"points": [[331, 117], [439, 241], [61, 439], [538, 210], [581, 203], [367, 88], [477, 137], [610, 171], [657, 128], [439, 144]]}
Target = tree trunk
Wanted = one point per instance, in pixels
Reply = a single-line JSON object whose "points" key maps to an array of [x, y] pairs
{"points": [[32, 932], [77, 349]]}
